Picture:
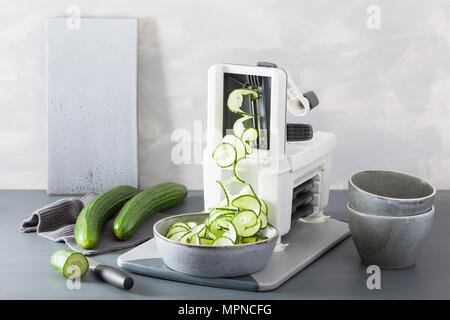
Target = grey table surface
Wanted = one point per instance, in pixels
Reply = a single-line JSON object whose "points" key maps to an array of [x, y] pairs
{"points": [[25, 272]]}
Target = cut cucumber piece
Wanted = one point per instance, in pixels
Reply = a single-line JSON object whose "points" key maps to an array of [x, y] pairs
{"points": [[228, 217], [248, 148], [235, 172], [236, 98], [245, 91], [263, 207], [226, 203], [206, 241], [237, 144], [239, 127], [216, 230], [226, 210], [221, 208], [243, 221], [222, 184], [186, 237], [225, 155], [249, 134], [231, 232], [223, 205], [252, 230], [177, 236], [223, 241], [247, 190], [199, 229], [179, 224], [252, 239], [215, 214], [69, 263], [195, 239], [247, 202], [177, 229], [235, 101], [202, 233], [191, 224], [222, 223], [211, 235], [263, 219]]}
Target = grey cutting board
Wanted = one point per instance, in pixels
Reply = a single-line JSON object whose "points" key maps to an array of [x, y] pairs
{"points": [[92, 117], [307, 242]]}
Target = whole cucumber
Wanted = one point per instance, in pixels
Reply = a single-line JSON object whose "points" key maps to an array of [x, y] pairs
{"points": [[98, 211], [151, 200]]}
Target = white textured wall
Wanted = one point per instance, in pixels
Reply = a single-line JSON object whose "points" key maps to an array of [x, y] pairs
{"points": [[383, 92]]}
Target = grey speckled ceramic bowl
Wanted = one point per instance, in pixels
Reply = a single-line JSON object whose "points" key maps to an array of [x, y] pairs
{"points": [[212, 261], [389, 193], [389, 242]]}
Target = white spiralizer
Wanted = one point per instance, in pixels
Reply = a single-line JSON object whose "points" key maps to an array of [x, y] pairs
{"points": [[292, 176]]}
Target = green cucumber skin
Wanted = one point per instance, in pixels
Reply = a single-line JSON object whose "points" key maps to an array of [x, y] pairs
{"points": [[156, 198], [98, 211], [60, 257]]}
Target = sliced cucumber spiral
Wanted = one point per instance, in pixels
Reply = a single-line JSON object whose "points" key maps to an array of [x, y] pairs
{"points": [[239, 218]]}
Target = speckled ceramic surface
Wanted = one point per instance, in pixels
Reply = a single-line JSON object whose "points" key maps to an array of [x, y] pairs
{"points": [[92, 115], [212, 261], [389, 193], [389, 242]]}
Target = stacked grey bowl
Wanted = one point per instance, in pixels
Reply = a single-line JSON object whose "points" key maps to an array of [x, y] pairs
{"points": [[390, 215]]}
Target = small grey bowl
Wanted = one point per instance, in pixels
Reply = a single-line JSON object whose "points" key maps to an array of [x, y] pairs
{"points": [[212, 261], [389, 242], [389, 193]]}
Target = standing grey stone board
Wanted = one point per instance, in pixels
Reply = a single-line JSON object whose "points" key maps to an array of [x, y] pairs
{"points": [[92, 118]]}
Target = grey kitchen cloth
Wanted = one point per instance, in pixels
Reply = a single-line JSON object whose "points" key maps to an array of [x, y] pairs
{"points": [[56, 222]]}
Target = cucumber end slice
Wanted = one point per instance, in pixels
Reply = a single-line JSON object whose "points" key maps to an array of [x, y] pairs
{"points": [[69, 263]]}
